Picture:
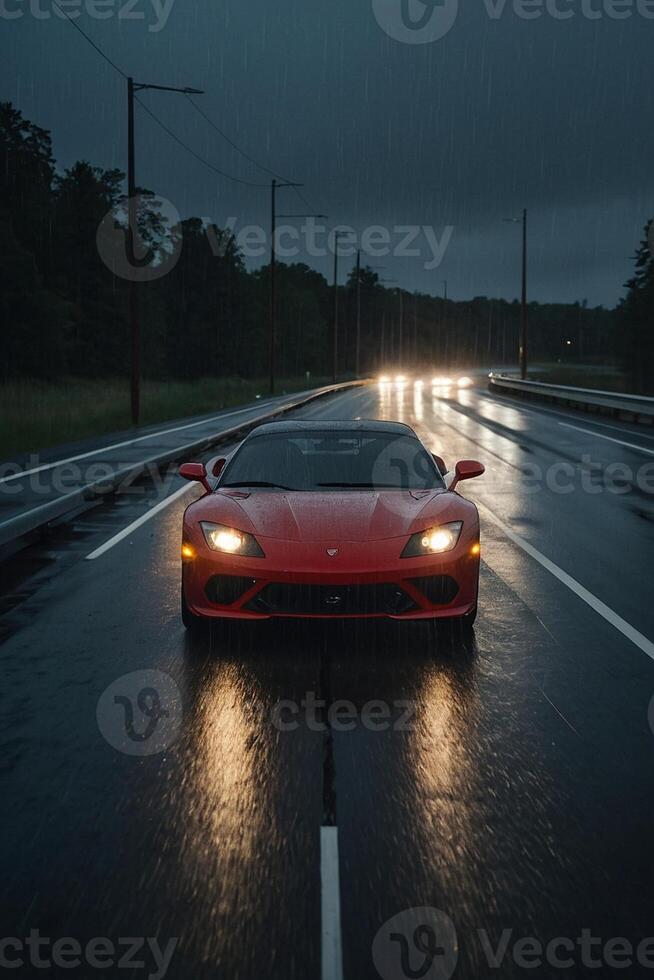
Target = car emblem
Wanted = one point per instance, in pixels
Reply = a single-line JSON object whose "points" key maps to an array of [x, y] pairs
{"points": [[332, 552]]}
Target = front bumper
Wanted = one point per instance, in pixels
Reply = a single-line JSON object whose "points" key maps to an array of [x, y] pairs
{"points": [[300, 580]]}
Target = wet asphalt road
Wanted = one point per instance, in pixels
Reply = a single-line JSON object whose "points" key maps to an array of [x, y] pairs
{"points": [[506, 780]]}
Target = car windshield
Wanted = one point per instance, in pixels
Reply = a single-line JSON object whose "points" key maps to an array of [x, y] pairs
{"points": [[328, 460]]}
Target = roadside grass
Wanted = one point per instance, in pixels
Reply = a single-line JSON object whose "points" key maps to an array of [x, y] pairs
{"points": [[605, 377], [35, 415]]}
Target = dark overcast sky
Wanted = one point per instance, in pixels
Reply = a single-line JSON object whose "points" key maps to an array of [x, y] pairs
{"points": [[496, 115]]}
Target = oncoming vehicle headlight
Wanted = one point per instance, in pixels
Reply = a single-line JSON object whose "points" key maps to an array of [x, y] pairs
{"points": [[434, 541], [230, 541]]}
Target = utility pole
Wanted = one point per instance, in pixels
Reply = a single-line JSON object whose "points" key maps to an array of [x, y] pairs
{"points": [[415, 329], [271, 337], [523, 312], [273, 298], [335, 328], [132, 239], [358, 343], [522, 351], [132, 232]]}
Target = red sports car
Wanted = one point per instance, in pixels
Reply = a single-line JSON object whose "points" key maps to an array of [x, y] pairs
{"points": [[330, 519]]}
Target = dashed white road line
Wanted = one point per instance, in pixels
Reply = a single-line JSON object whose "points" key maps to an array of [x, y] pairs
{"points": [[125, 533], [620, 624], [332, 943], [600, 435], [545, 410]]}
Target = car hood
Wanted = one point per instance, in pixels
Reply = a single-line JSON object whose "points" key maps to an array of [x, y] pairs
{"points": [[358, 515]]}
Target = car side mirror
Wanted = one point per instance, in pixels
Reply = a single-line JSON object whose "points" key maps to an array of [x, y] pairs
{"points": [[218, 467], [466, 469], [197, 472], [440, 463]]}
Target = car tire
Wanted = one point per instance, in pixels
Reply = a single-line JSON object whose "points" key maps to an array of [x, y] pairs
{"points": [[190, 620], [469, 619], [457, 624]]}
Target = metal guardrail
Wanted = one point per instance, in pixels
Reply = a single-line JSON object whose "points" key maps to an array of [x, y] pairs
{"points": [[635, 408], [36, 518]]}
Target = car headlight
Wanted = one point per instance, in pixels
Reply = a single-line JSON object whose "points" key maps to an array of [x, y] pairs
{"points": [[230, 541], [433, 541]]}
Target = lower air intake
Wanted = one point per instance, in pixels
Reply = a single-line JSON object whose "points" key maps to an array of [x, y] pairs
{"points": [[225, 590], [280, 598], [439, 590]]}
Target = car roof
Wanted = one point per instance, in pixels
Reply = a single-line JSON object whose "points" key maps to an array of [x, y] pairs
{"points": [[333, 425]]}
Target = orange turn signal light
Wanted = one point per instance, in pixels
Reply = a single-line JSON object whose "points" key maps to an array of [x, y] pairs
{"points": [[187, 551], [476, 548]]}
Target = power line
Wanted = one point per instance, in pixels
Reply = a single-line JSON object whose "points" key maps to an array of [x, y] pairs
{"points": [[247, 156], [303, 198], [222, 173], [174, 136], [207, 163], [92, 43], [231, 142]]}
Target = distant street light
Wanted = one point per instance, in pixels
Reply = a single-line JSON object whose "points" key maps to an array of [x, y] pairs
{"points": [[522, 354]]}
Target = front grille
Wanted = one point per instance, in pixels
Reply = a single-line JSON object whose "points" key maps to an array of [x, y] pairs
{"points": [[439, 590], [225, 590], [283, 598]]}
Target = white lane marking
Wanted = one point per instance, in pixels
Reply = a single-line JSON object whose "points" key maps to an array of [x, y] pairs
{"points": [[332, 947], [620, 624], [138, 522], [128, 442], [542, 410], [600, 435]]}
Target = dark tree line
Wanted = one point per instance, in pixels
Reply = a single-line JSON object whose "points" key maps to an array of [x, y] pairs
{"points": [[636, 317], [64, 312]]}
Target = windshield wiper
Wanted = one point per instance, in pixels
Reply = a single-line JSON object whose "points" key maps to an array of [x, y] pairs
{"points": [[255, 483]]}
